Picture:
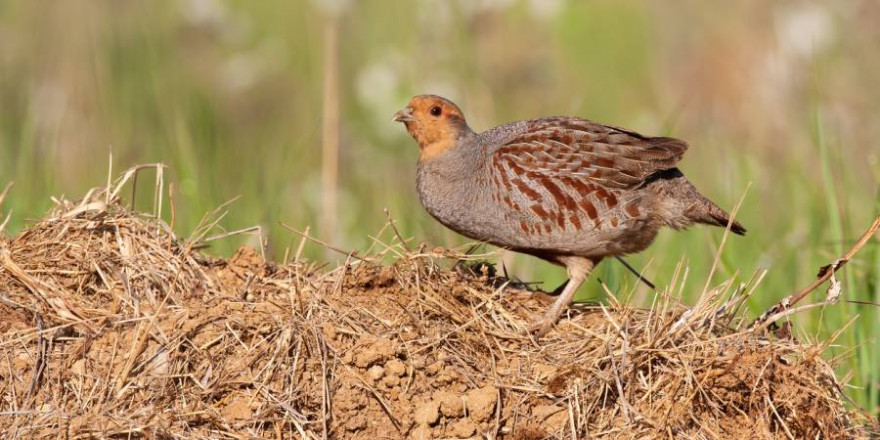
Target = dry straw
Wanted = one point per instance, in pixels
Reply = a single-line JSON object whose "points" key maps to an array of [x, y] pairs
{"points": [[116, 328]]}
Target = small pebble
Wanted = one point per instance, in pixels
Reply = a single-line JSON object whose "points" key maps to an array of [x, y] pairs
{"points": [[376, 372], [428, 414]]}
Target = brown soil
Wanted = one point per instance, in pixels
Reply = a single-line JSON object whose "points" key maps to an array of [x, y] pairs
{"points": [[115, 328]]}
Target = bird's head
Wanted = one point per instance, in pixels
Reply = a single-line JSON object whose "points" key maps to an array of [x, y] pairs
{"points": [[434, 122]]}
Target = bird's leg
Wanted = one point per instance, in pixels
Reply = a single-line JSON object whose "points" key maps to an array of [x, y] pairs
{"points": [[558, 289], [545, 323], [578, 269]]}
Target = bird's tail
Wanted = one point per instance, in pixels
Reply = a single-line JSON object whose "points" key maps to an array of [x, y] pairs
{"points": [[686, 205], [710, 214]]}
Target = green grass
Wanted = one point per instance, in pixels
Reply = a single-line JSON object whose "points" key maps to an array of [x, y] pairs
{"points": [[233, 104]]}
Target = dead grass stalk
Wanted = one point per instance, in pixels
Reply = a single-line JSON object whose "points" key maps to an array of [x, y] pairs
{"points": [[115, 327]]}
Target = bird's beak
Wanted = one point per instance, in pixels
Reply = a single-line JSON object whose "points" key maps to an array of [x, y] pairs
{"points": [[404, 115]]}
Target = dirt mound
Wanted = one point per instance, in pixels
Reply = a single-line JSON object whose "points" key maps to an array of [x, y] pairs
{"points": [[115, 328]]}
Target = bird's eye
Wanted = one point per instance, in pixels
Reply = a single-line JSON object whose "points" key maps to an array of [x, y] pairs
{"points": [[436, 111]]}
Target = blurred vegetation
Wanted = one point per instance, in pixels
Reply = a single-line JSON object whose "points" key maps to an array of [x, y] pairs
{"points": [[780, 98]]}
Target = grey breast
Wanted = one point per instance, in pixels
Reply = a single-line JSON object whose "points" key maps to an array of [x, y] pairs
{"points": [[453, 188]]}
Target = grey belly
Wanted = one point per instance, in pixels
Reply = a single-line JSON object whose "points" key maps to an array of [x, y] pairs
{"points": [[487, 224]]}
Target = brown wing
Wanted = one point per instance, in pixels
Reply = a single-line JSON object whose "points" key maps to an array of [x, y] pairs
{"points": [[569, 171], [571, 147]]}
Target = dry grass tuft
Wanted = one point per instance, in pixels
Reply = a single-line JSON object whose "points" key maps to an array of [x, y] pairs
{"points": [[116, 328]]}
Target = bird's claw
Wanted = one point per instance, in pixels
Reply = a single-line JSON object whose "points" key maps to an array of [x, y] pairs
{"points": [[539, 328]]}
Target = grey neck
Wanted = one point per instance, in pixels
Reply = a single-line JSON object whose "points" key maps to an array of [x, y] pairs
{"points": [[452, 183]]}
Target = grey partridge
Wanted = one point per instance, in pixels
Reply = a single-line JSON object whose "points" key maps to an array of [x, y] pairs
{"points": [[564, 189]]}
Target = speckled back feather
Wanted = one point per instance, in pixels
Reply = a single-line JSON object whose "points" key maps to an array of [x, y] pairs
{"points": [[571, 173]]}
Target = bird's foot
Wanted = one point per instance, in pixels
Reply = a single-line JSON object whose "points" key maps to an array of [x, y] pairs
{"points": [[540, 327]]}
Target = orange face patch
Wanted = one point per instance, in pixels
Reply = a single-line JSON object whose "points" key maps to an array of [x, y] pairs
{"points": [[435, 123]]}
